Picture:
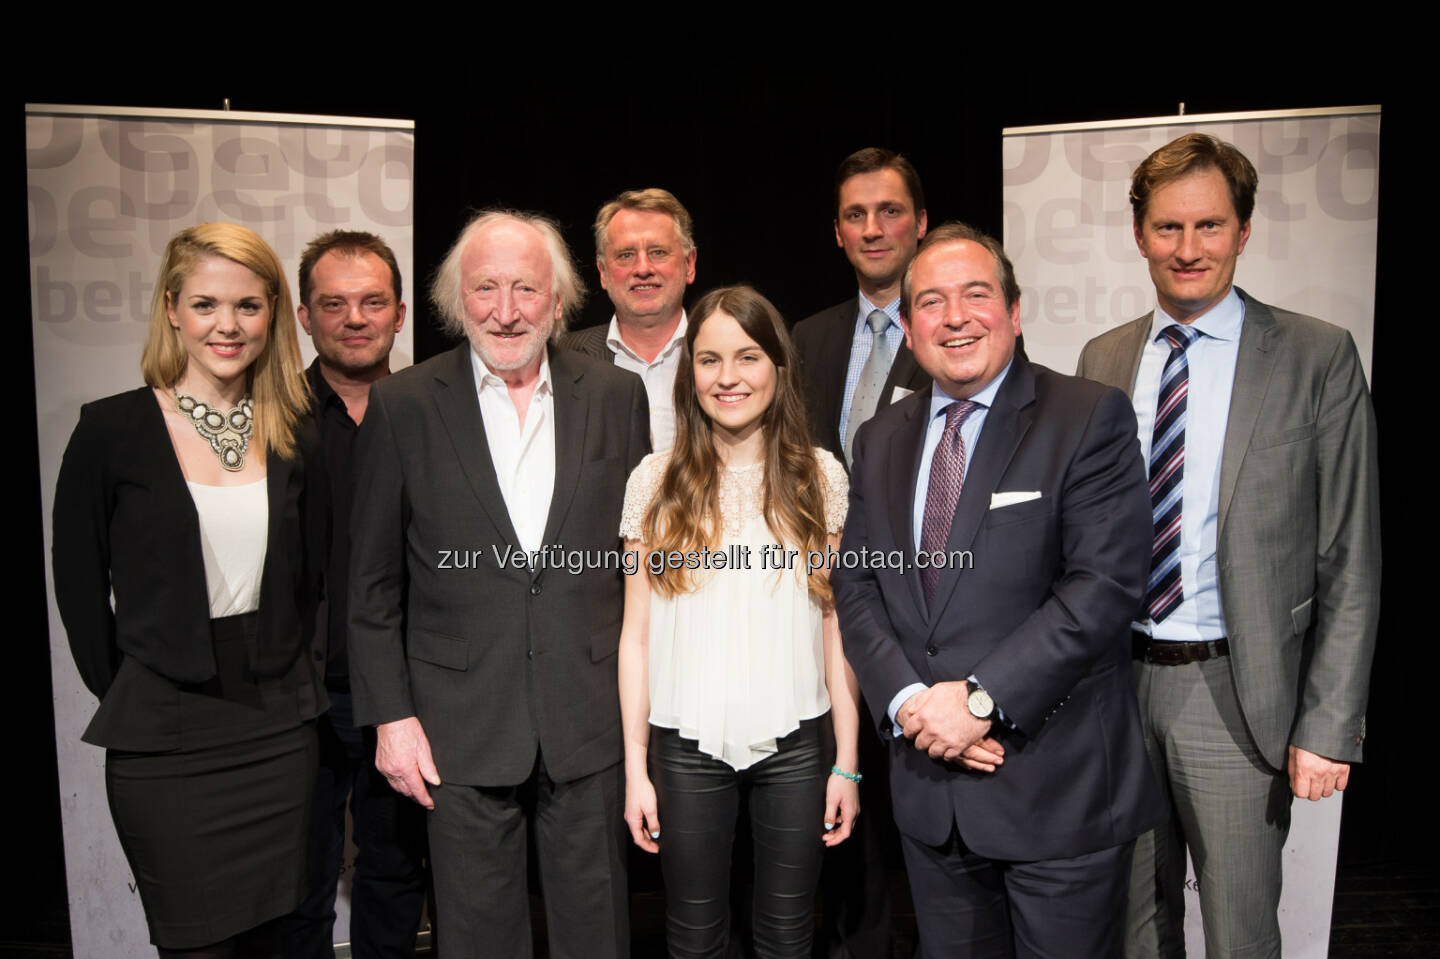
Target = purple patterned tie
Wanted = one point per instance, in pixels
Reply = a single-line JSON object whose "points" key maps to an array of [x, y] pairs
{"points": [[947, 475], [1167, 473]]}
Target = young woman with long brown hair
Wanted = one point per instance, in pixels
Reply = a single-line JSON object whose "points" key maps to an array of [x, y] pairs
{"points": [[730, 653]]}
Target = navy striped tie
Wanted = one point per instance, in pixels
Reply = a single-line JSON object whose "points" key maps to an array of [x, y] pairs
{"points": [[1167, 475]]}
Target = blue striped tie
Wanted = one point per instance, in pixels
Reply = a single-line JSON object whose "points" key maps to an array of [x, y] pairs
{"points": [[1167, 475]]}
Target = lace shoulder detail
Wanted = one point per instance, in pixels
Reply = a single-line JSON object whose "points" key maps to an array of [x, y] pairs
{"points": [[835, 486], [640, 490]]}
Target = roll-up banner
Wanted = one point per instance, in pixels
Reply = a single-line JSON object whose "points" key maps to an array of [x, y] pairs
{"points": [[107, 189], [1311, 250]]}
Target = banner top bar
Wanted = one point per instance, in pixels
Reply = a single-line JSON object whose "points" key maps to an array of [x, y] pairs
{"points": [[1189, 119], [214, 116]]}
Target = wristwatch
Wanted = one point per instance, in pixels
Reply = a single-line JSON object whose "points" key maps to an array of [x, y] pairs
{"points": [[979, 701]]}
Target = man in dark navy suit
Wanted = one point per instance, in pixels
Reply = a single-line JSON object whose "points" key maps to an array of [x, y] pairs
{"points": [[1002, 518]]}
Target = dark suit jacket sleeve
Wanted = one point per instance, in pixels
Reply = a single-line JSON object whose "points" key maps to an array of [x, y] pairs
{"points": [[1346, 607], [868, 635], [379, 673], [808, 337], [1105, 533], [80, 551]]}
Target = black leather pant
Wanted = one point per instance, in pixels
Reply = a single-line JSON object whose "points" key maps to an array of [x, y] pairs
{"points": [[699, 798]]}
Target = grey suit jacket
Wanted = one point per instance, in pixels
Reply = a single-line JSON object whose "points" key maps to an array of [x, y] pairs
{"points": [[823, 342], [496, 660], [1299, 526]]}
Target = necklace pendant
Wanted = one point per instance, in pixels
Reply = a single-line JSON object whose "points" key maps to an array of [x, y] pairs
{"points": [[228, 433]]}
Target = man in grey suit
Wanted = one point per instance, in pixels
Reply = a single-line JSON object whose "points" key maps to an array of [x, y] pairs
{"points": [[486, 598], [1255, 643], [645, 252]]}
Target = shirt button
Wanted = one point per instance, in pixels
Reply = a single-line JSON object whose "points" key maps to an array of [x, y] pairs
{"points": [[931, 650], [534, 589], [529, 654]]}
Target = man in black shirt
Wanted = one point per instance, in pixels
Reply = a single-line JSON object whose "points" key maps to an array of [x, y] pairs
{"points": [[350, 305]]}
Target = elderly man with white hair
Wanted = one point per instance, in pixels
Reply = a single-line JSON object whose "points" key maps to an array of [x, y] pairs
{"points": [[488, 671]]}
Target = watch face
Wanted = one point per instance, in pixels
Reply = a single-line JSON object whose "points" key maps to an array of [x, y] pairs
{"points": [[980, 703]]}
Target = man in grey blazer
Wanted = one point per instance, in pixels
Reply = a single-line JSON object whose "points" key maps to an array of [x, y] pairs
{"points": [[486, 598], [1254, 647], [645, 252]]}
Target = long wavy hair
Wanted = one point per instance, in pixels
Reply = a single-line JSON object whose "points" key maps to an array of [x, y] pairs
{"points": [[685, 513], [277, 380]]}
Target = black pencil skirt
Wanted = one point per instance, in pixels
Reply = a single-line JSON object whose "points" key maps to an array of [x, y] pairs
{"points": [[215, 830]]}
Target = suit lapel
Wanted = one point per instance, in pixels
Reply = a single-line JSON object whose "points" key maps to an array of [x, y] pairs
{"points": [[902, 371], [1127, 357], [459, 409], [571, 414], [905, 447], [278, 473], [1005, 427], [832, 366], [1254, 363], [171, 485]]}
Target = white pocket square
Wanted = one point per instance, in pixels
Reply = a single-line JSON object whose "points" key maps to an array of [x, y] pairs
{"points": [[999, 500]]}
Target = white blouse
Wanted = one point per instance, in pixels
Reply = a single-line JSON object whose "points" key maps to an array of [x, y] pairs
{"points": [[234, 523], [739, 661]]}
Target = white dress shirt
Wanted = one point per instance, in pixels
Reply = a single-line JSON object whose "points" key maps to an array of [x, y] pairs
{"points": [[524, 456]]}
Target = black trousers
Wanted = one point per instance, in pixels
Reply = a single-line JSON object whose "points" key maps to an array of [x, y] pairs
{"points": [[478, 852], [699, 798], [388, 893]]}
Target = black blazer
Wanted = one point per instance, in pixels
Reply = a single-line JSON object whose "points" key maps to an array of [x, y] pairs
{"points": [[124, 522], [590, 341], [823, 341], [495, 659]]}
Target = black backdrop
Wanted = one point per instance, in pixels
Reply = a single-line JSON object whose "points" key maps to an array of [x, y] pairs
{"points": [[750, 150]]}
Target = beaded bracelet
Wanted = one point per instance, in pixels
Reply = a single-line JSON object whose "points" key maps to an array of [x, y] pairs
{"points": [[853, 777]]}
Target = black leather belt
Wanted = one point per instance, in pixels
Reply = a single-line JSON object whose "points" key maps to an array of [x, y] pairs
{"points": [[1164, 652]]}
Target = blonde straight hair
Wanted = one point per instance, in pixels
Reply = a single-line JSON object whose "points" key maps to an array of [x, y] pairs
{"points": [[276, 379]]}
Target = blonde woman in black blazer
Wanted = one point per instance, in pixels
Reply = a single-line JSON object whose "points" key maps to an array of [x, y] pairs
{"points": [[186, 500]]}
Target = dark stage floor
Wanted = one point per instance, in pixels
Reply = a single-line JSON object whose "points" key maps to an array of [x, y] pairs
{"points": [[1381, 909]]}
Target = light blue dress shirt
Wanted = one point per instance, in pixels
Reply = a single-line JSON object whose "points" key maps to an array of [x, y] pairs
{"points": [[970, 433], [1211, 359], [862, 340]]}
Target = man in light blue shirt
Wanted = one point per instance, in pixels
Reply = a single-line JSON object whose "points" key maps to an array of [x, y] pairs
{"points": [[854, 354], [1255, 640]]}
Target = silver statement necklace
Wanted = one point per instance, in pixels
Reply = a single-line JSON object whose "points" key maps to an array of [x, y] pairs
{"points": [[228, 433]]}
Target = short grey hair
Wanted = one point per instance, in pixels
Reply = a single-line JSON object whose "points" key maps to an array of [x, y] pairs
{"points": [[651, 200], [448, 295]]}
